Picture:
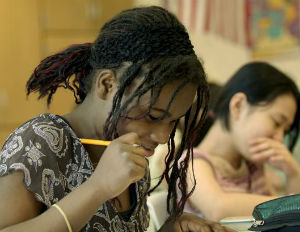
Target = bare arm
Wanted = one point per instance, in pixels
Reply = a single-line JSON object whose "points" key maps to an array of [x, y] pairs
{"points": [[216, 204], [121, 164], [274, 181], [19, 210]]}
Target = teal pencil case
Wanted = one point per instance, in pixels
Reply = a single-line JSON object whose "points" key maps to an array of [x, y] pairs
{"points": [[281, 214]]}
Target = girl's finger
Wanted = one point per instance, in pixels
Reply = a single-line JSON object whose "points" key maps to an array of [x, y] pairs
{"points": [[139, 160], [137, 173], [142, 151], [263, 156], [195, 227], [272, 142], [202, 228], [256, 141], [177, 227], [217, 227], [259, 147], [130, 138], [276, 159], [205, 228], [184, 225], [137, 149]]}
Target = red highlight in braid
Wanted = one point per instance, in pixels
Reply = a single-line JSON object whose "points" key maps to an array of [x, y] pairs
{"points": [[56, 70]]}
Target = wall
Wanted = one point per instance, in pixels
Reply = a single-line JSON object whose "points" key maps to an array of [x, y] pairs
{"points": [[19, 49], [33, 29], [221, 58]]}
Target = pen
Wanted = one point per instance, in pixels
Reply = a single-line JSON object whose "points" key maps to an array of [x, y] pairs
{"points": [[95, 142], [99, 142]]}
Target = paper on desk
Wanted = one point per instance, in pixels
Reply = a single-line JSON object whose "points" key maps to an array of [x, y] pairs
{"points": [[238, 223]]}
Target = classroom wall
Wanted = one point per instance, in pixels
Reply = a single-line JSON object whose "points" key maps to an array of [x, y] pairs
{"points": [[222, 58], [33, 29], [19, 52]]}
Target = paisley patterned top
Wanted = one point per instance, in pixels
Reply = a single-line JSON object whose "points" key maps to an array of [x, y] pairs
{"points": [[54, 163]]}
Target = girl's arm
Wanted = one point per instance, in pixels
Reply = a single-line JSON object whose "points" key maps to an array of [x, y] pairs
{"points": [[275, 183], [19, 210], [213, 202], [120, 165]]}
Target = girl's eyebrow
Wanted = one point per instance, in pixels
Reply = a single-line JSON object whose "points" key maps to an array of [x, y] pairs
{"points": [[285, 119], [163, 111]]}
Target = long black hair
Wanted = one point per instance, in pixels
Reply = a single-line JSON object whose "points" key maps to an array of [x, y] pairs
{"points": [[261, 83], [148, 38]]}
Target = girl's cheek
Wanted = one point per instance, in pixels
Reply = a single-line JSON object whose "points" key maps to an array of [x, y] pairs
{"points": [[124, 126], [131, 125], [265, 129], [260, 131]]}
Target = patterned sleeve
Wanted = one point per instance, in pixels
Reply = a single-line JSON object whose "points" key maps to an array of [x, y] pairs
{"points": [[37, 148]]}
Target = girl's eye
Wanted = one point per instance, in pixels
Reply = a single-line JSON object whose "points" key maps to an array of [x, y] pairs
{"points": [[277, 124], [152, 117]]}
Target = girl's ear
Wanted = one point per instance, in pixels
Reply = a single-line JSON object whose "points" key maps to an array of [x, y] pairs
{"points": [[237, 105], [106, 84]]}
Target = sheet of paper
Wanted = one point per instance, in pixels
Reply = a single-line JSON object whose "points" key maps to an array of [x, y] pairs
{"points": [[238, 223]]}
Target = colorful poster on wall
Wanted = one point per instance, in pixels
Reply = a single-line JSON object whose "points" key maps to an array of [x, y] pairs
{"points": [[266, 27], [273, 26]]}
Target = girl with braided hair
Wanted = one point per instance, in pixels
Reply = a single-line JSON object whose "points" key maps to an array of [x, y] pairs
{"points": [[132, 85]]}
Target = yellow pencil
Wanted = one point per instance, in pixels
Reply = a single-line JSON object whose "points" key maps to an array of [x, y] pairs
{"points": [[95, 142]]}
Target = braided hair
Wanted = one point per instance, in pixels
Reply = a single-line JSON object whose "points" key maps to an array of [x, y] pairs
{"points": [[151, 39]]}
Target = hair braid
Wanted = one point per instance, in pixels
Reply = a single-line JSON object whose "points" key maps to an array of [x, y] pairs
{"points": [[55, 71]]}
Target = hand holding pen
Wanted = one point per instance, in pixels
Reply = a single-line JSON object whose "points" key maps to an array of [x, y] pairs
{"points": [[122, 163]]}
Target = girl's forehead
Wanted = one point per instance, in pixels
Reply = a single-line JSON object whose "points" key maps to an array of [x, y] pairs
{"points": [[283, 106], [180, 101], [174, 98]]}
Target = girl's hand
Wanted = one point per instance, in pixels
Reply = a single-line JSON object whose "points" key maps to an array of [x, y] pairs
{"points": [[121, 164], [191, 223], [274, 153]]}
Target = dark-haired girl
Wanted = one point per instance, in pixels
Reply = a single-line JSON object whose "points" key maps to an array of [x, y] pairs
{"points": [[257, 107], [132, 85]]}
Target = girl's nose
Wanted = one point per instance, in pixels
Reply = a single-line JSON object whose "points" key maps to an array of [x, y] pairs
{"points": [[161, 133]]}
